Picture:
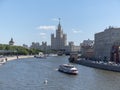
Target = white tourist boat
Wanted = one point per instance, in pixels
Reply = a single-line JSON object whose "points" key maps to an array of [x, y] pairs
{"points": [[40, 55], [3, 60], [69, 69]]}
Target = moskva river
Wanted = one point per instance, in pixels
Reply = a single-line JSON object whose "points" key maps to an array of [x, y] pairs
{"points": [[31, 74]]}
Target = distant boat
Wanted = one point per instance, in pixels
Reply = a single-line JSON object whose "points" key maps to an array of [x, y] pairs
{"points": [[69, 69], [2, 60], [40, 55]]}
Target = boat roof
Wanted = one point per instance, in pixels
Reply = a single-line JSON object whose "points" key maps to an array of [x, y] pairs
{"points": [[67, 65]]}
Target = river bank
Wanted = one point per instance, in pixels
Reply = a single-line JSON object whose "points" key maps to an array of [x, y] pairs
{"points": [[104, 66], [10, 58]]}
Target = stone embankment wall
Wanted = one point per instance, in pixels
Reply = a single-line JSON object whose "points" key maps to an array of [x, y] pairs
{"points": [[100, 66]]}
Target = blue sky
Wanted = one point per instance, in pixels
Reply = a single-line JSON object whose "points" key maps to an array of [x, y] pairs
{"points": [[28, 21]]}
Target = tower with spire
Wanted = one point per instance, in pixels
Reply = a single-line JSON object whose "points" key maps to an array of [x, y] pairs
{"points": [[11, 42], [59, 41]]}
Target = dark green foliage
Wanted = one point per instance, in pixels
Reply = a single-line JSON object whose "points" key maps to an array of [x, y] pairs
{"points": [[17, 50]]}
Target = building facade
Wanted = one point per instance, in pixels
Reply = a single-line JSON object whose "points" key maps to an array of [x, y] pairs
{"points": [[59, 41], [104, 41], [87, 48], [87, 43], [35, 45], [72, 47], [44, 47]]}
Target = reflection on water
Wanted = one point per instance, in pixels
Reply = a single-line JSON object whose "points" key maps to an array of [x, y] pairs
{"points": [[30, 74]]}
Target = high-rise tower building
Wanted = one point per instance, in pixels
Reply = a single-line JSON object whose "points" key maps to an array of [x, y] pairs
{"points": [[59, 41]]}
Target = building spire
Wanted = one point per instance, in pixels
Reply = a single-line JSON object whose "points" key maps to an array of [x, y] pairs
{"points": [[59, 26], [59, 20], [11, 42]]}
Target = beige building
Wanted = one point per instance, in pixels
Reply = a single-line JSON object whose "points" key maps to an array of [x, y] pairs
{"points": [[87, 48], [45, 47], [72, 47], [59, 41], [104, 42]]}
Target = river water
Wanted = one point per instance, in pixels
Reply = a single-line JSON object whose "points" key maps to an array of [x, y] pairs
{"points": [[30, 74]]}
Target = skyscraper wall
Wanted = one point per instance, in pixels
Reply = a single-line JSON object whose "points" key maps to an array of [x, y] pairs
{"points": [[59, 42]]}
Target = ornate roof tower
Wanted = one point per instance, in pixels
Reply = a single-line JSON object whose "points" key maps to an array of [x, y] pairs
{"points": [[11, 42]]}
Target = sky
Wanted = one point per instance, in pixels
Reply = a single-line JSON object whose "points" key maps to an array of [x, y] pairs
{"points": [[28, 21]]}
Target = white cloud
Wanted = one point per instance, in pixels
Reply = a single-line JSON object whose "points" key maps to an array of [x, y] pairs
{"points": [[76, 31], [43, 35], [45, 27]]}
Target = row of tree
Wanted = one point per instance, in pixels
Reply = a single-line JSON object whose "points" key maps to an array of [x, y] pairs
{"points": [[17, 50]]}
